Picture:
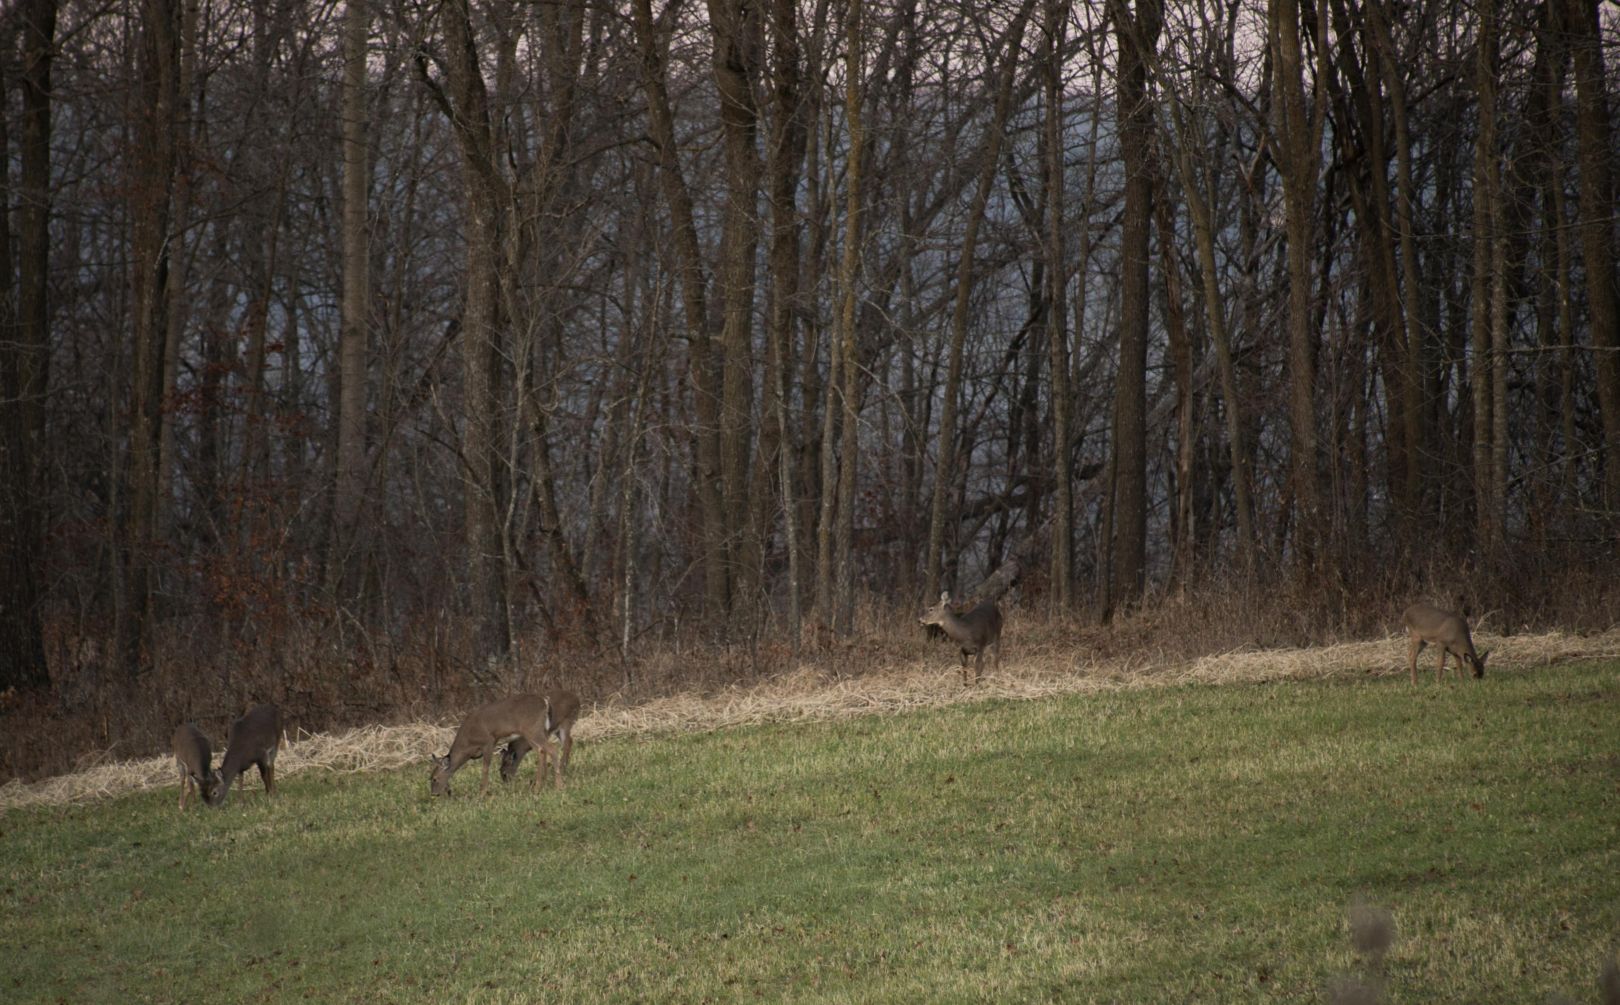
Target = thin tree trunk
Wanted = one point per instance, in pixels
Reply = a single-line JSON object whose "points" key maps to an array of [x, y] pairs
{"points": [[1484, 239], [1215, 315], [945, 472], [1062, 570], [150, 217], [1298, 142], [178, 294], [788, 139], [706, 382], [736, 28], [1413, 411], [467, 106], [24, 359], [349, 467], [1138, 36], [848, 275], [1596, 227]]}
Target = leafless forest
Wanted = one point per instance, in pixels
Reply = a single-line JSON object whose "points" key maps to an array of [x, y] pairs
{"points": [[368, 355]]}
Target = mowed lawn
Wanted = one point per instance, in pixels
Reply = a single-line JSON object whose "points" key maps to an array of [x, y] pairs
{"points": [[1197, 843]]}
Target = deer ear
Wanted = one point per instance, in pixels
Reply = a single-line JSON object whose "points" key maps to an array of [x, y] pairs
{"points": [[945, 596]]}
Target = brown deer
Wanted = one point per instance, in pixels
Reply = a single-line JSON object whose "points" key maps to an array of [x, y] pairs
{"points": [[972, 629], [559, 723], [1425, 624], [195, 757], [522, 716], [254, 740]]}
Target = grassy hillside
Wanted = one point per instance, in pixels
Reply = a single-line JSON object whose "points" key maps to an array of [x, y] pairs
{"points": [[1175, 844]]}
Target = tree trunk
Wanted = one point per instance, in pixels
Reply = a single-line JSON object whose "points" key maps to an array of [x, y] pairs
{"points": [[150, 207], [1298, 143], [706, 389], [24, 360], [849, 274], [482, 330], [785, 164], [1138, 36], [1192, 182], [1596, 222], [736, 28], [349, 467], [1415, 434], [1057, 337], [1487, 507]]}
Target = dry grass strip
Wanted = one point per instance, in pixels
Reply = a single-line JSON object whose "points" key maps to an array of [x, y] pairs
{"points": [[809, 693]]}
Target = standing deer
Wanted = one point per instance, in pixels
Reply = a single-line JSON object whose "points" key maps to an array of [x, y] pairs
{"points": [[254, 740], [1425, 624], [560, 716], [522, 716], [973, 629], [195, 757]]}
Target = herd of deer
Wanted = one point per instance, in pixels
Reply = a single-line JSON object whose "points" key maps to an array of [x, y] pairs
{"points": [[526, 722]]}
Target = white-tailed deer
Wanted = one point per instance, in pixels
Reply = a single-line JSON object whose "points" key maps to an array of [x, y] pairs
{"points": [[254, 740], [195, 757], [973, 629], [522, 716], [1425, 624], [560, 716]]}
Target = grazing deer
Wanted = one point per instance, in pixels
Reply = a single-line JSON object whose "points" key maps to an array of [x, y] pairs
{"points": [[1426, 624], [195, 758], [973, 629], [522, 716], [254, 740], [560, 716]]}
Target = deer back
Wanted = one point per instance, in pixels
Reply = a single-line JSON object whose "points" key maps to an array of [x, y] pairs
{"points": [[193, 751], [253, 739]]}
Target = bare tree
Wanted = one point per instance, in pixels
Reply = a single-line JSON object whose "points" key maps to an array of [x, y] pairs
{"points": [[849, 275], [989, 157], [1593, 143], [1137, 31], [24, 353], [1296, 143], [1054, 29], [349, 465], [738, 42], [152, 171]]}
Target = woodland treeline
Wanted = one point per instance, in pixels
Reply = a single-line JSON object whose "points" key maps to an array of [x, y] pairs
{"points": [[532, 323]]}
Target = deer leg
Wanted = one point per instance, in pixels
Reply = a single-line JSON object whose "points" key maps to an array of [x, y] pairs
{"points": [[1440, 671], [567, 737], [543, 752], [483, 787], [185, 786], [1413, 648], [267, 775]]}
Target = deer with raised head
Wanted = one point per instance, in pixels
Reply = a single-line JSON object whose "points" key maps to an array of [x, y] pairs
{"points": [[972, 629], [194, 755], [520, 717], [1426, 623], [560, 716], [254, 740]]}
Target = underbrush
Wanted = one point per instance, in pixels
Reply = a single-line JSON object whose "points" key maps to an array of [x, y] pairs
{"points": [[328, 674]]}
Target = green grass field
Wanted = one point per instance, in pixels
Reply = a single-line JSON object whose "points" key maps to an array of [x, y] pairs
{"points": [[1175, 844]]}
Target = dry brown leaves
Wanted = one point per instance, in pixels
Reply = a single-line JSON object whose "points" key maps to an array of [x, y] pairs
{"points": [[810, 693]]}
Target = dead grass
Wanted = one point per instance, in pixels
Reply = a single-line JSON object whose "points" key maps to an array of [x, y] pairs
{"points": [[1046, 666]]}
